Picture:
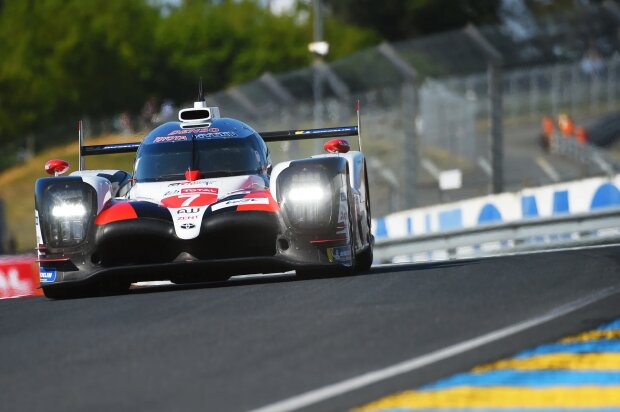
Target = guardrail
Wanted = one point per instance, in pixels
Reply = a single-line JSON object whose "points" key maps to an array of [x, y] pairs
{"points": [[589, 155], [598, 227]]}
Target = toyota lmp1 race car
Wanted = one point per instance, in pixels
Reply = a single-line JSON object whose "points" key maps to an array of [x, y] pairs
{"points": [[203, 204]]}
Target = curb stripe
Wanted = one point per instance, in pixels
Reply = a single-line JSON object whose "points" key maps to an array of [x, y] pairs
{"points": [[611, 346], [594, 335], [498, 397], [569, 361], [609, 326], [465, 409], [511, 377], [578, 372]]}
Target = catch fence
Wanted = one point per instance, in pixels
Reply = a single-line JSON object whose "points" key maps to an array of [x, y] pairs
{"points": [[469, 99]]}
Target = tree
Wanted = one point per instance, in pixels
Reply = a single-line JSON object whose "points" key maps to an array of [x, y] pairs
{"points": [[68, 58]]}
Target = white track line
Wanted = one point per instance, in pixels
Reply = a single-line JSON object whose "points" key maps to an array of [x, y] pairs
{"points": [[339, 388], [549, 170]]}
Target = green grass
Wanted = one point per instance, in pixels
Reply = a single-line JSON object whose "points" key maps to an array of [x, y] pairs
{"points": [[17, 184]]}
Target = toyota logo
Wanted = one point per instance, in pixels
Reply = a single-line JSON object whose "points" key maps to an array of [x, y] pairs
{"points": [[188, 226]]}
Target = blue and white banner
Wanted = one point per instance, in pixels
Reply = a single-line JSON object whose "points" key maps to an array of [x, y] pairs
{"points": [[580, 196]]}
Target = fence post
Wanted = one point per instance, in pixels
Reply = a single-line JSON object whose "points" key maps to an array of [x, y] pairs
{"points": [[240, 98], [494, 82], [410, 110], [612, 66], [287, 100]]}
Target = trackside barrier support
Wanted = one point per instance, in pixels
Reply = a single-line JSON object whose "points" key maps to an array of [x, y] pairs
{"points": [[19, 276], [600, 227]]}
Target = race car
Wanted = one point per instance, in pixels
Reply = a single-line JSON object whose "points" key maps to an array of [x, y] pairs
{"points": [[203, 203]]}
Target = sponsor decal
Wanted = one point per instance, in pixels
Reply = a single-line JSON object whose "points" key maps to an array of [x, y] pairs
{"points": [[47, 275], [18, 277], [194, 183], [188, 226], [339, 254], [185, 200], [195, 130], [190, 210], [172, 192], [120, 146], [333, 130], [216, 135], [190, 217], [240, 202], [160, 139], [209, 190]]}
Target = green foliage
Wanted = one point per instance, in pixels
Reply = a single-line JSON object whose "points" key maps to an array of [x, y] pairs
{"points": [[69, 59], [226, 43], [345, 38], [64, 60]]}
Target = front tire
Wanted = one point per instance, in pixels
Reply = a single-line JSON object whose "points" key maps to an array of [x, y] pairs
{"points": [[337, 270], [363, 260]]}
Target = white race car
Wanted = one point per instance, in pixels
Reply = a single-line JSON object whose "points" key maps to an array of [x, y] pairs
{"points": [[203, 204]]}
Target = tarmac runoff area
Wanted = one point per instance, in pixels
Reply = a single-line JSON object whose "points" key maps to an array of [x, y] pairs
{"points": [[577, 372]]}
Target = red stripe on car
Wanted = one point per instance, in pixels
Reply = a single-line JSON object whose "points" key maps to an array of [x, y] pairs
{"points": [[116, 212], [272, 206], [328, 240]]}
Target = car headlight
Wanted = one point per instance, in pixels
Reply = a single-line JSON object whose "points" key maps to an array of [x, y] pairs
{"points": [[69, 210], [67, 213], [306, 193], [306, 196]]}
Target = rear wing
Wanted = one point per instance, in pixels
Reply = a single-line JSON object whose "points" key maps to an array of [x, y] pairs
{"points": [[285, 135], [289, 135], [280, 136]]}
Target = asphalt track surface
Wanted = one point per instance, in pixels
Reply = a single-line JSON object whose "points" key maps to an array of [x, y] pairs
{"points": [[249, 343]]}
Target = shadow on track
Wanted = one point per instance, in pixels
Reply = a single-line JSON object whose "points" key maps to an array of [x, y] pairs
{"points": [[410, 267], [290, 277], [242, 281]]}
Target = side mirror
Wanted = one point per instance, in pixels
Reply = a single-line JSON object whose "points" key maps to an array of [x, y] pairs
{"points": [[56, 167], [337, 146]]}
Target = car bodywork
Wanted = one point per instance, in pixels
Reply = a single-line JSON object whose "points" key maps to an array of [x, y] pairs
{"points": [[186, 215]]}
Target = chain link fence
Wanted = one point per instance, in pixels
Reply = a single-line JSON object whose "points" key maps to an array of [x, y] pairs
{"points": [[469, 99], [440, 103]]}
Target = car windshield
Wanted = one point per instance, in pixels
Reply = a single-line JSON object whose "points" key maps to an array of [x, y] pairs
{"points": [[212, 157]]}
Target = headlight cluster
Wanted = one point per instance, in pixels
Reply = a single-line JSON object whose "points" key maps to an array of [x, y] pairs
{"points": [[307, 198], [69, 206], [306, 194]]}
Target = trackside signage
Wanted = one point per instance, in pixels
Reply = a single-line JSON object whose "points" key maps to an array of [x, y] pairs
{"points": [[19, 276], [581, 196]]}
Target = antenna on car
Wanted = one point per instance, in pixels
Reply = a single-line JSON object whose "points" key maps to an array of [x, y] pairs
{"points": [[80, 145], [201, 95], [200, 114], [359, 124]]}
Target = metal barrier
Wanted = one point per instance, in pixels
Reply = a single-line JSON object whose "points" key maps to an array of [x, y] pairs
{"points": [[596, 159], [536, 234]]}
